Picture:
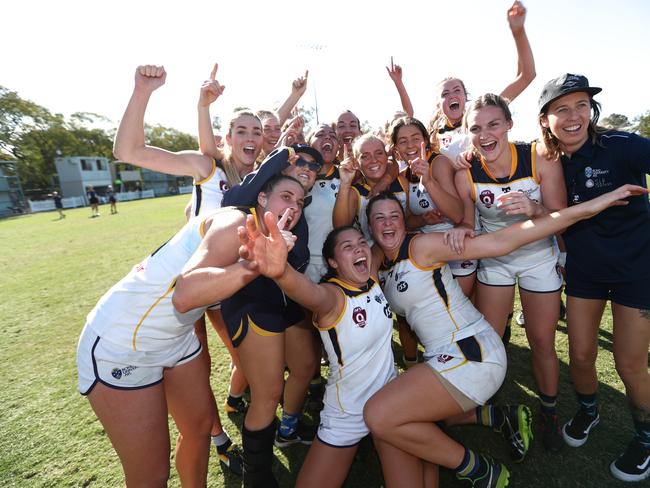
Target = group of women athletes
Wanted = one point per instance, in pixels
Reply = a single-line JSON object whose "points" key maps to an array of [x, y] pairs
{"points": [[348, 232]]}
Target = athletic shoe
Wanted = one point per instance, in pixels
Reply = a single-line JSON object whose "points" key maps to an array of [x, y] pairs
{"points": [[304, 434], [521, 322], [633, 464], [576, 431], [497, 475], [231, 458], [551, 438], [517, 430], [235, 405]]}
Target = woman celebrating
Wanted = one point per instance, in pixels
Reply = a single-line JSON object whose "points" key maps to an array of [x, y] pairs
{"points": [[139, 358], [355, 324], [607, 259], [466, 361], [533, 185]]}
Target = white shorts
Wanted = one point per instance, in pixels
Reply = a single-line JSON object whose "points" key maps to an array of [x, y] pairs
{"points": [[463, 268], [477, 378], [340, 429], [541, 276], [315, 271], [125, 369]]}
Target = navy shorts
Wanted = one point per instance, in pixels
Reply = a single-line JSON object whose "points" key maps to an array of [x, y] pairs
{"points": [[262, 318], [633, 293]]}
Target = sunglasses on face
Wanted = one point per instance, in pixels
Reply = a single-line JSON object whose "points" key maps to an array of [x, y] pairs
{"points": [[312, 165]]}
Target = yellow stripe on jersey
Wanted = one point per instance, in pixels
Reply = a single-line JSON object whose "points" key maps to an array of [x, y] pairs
{"points": [[214, 168], [513, 164], [137, 327], [533, 161]]}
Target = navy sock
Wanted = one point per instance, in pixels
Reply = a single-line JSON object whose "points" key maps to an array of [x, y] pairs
{"points": [[288, 423], [490, 415], [588, 403], [472, 466], [548, 403], [641, 419]]}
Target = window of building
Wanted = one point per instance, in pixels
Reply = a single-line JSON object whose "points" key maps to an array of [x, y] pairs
{"points": [[85, 165], [100, 165]]}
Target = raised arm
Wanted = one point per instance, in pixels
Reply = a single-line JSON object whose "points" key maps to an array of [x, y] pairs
{"points": [[246, 192], [213, 273], [525, 60], [430, 248], [395, 73], [268, 254], [347, 199], [129, 141], [298, 88], [210, 91]]}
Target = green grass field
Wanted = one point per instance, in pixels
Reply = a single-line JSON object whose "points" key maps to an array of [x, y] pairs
{"points": [[54, 271]]}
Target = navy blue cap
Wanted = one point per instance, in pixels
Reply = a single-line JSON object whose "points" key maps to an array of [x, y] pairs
{"points": [[563, 85]]}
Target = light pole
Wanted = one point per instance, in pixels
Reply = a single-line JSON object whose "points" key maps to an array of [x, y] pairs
{"points": [[315, 48]]}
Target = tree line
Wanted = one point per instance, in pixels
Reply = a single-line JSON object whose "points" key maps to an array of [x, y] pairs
{"points": [[33, 136]]}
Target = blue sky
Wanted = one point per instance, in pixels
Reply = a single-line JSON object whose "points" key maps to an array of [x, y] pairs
{"points": [[80, 55]]}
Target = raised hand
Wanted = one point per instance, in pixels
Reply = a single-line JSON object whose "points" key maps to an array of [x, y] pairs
{"points": [[291, 133], [517, 17], [149, 77], [266, 254], [211, 89], [455, 238], [348, 167], [395, 72], [517, 203], [299, 85], [420, 166], [613, 198], [462, 161]]}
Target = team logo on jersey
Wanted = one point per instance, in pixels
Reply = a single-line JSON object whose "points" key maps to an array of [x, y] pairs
{"points": [[589, 183], [322, 184], [487, 198], [139, 268], [387, 311], [402, 286], [589, 172], [333, 186], [359, 316], [378, 299], [466, 264], [424, 203], [446, 141], [443, 358], [223, 186]]}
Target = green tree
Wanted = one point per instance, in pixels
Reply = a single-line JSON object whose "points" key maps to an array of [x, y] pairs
{"points": [[615, 121], [643, 125], [170, 139]]}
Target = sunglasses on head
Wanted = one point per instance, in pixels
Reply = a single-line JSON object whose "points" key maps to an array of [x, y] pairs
{"points": [[312, 165]]}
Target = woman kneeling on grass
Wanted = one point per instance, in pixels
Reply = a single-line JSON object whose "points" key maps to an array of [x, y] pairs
{"points": [[466, 360], [138, 356]]}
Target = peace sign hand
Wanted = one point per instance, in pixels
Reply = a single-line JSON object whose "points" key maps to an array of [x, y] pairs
{"points": [[348, 168], [266, 254], [210, 89]]}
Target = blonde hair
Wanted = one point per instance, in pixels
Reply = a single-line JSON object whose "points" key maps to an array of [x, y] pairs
{"points": [[229, 165], [361, 140]]}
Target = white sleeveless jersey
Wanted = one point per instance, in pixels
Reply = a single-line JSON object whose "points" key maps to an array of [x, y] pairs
{"points": [[453, 141], [431, 300], [319, 212], [207, 193], [358, 346], [420, 201], [523, 178], [137, 312], [363, 193]]}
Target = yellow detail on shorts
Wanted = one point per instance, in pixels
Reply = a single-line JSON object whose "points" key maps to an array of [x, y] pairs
{"points": [[239, 330], [457, 366], [137, 327], [258, 330]]}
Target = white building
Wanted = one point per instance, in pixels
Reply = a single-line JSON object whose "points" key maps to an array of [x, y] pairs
{"points": [[78, 172]]}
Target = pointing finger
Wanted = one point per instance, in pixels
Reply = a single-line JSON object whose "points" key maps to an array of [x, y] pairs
{"points": [[213, 75]]}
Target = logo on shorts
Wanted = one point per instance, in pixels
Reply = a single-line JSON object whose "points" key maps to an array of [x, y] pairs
{"points": [[466, 264], [117, 373], [424, 203], [402, 286], [443, 358], [487, 198], [359, 316]]}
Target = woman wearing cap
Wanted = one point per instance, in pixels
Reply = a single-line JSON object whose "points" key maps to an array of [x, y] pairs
{"points": [[607, 259], [506, 184]]}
